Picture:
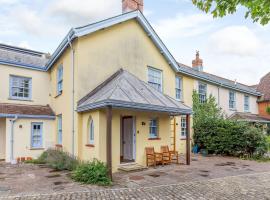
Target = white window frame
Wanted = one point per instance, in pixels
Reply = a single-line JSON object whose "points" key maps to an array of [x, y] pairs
{"points": [[59, 129], [40, 145], [232, 102], [183, 132], [60, 72], [178, 88], [158, 85], [153, 135], [246, 103], [11, 87], [91, 131], [202, 94]]}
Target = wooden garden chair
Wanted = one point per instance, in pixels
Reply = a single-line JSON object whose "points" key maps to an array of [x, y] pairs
{"points": [[169, 156], [152, 157]]}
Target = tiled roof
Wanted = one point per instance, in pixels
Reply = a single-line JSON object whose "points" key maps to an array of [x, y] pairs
{"points": [[217, 80], [124, 90], [248, 117], [22, 57], [7, 109], [264, 87]]}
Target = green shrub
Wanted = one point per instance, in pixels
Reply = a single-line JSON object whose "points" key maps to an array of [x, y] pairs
{"points": [[95, 172], [57, 159], [222, 136]]}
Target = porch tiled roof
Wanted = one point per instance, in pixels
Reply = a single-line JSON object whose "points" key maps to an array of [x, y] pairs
{"points": [[249, 117], [7, 109], [124, 90]]}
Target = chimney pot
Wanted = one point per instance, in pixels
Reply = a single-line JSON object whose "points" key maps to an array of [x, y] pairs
{"points": [[130, 5], [197, 63]]}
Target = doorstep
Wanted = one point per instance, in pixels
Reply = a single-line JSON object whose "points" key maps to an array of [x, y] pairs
{"points": [[129, 167]]}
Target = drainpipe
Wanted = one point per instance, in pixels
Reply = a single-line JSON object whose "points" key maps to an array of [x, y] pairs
{"points": [[73, 95], [12, 161]]}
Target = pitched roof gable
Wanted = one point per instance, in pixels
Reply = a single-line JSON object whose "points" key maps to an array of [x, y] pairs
{"points": [[125, 90], [264, 87], [91, 28]]}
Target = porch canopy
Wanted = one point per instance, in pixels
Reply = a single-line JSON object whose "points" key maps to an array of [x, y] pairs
{"points": [[124, 90]]}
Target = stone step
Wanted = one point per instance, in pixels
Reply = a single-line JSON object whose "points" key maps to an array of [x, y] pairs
{"points": [[128, 167]]}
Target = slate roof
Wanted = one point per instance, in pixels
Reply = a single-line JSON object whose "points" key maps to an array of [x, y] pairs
{"points": [[264, 87], [124, 90], [10, 110], [248, 117], [217, 80], [17, 56]]}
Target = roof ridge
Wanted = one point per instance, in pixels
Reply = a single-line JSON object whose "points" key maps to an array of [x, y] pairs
{"points": [[213, 74]]}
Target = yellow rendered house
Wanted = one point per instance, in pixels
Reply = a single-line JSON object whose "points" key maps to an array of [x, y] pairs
{"points": [[109, 90]]}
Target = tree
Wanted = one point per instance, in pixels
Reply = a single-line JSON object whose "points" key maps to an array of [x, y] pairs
{"points": [[258, 10]]}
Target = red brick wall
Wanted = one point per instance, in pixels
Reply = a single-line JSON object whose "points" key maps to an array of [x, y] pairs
{"points": [[262, 108]]}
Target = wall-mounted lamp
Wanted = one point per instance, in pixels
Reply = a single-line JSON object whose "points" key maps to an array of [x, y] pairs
{"points": [[20, 126], [143, 123]]}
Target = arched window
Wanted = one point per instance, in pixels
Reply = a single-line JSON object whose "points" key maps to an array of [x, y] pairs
{"points": [[91, 131]]}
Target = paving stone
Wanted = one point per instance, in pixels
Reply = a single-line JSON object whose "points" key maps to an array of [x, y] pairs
{"points": [[246, 187]]}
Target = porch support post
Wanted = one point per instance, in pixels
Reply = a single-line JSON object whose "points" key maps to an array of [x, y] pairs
{"points": [[188, 139], [109, 140]]}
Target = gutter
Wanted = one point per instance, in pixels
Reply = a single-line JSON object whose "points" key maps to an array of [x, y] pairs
{"points": [[12, 161], [73, 94]]}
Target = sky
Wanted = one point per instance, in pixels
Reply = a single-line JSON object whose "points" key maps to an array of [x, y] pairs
{"points": [[232, 47]]}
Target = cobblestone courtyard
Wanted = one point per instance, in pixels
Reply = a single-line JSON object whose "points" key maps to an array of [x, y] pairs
{"points": [[253, 186], [206, 178]]}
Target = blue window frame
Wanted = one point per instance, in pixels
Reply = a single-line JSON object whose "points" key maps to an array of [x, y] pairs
{"points": [[155, 78], [91, 131], [232, 100], [246, 103], [153, 128], [178, 88], [20, 88], [183, 126], [60, 80], [59, 129], [36, 135], [202, 92]]}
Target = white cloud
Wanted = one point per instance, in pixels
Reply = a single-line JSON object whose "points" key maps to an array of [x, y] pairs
{"points": [[183, 26], [235, 40], [82, 11], [54, 16]]}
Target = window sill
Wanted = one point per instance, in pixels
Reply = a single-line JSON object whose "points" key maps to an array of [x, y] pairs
{"points": [[90, 145], [18, 99], [38, 148], [232, 109], [59, 145], [154, 138], [184, 138]]}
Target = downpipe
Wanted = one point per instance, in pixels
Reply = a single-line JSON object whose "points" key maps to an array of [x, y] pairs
{"points": [[12, 161], [73, 96]]}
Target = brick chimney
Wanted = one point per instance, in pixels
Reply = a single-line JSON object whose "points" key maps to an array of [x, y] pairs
{"points": [[197, 63], [130, 5]]}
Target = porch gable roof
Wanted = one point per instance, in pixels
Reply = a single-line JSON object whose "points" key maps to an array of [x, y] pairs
{"points": [[124, 90]]}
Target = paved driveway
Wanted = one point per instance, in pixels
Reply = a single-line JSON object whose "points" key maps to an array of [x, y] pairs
{"points": [[251, 186]]}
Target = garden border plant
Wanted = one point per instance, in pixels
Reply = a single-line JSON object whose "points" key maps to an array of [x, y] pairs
{"points": [[218, 135], [93, 172]]}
